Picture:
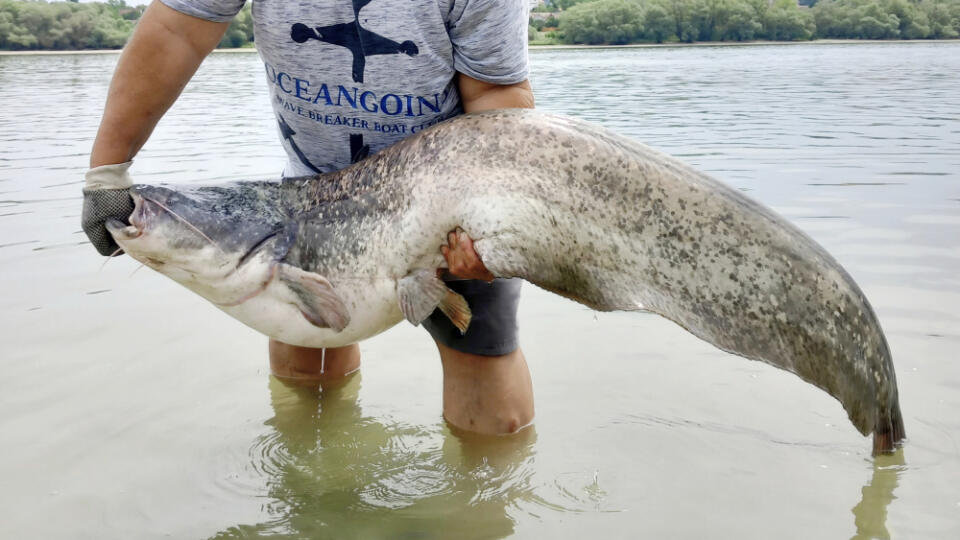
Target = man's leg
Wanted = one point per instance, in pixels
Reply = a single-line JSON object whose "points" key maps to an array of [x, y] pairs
{"points": [[482, 394], [305, 366], [486, 394], [486, 383]]}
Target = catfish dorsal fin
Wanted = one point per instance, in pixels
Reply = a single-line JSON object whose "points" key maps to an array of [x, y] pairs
{"points": [[422, 291], [315, 297]]}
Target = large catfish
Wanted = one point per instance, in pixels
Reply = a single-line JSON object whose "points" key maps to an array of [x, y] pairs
{"points": [[332, 259]]}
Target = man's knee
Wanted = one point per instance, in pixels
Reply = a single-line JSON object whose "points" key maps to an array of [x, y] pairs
{"points": [[309, 364], [486, 394]]}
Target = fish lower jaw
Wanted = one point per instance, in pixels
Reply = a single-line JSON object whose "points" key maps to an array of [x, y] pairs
{"points": [[223, 283], [122, 232], [130, 232]]}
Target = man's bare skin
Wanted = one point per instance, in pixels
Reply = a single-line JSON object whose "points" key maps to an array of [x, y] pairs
{"points": [[482, 394]]}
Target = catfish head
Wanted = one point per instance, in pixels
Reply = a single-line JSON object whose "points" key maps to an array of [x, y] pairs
{"points": [[223, 242]]}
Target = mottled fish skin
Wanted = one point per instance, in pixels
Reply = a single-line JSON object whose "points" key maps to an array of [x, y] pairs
{"points": [[600, 219]]}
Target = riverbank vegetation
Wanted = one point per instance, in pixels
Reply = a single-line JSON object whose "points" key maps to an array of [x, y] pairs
{"points": [[617, 22], [40, 25], [65, 25], [37, 25]]}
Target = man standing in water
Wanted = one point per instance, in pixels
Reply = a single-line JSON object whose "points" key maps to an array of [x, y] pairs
{"points": [[347, 79]]}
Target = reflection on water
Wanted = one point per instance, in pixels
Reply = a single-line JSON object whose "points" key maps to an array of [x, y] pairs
{"points": [[129, 405], [333, 472], [870, 515]]}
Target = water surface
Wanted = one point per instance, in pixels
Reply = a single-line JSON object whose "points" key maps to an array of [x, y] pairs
{"points": [[133, 409]]}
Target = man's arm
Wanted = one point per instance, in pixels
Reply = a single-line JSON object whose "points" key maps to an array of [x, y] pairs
{"points": [[477, 96], [482, 96], [164, 52]]}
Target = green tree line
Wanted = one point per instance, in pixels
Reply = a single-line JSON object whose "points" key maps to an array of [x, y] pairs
{"points": [[631, 21], [65, 25], [38, 25]]}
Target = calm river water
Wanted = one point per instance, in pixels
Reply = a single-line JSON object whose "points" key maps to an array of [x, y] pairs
{"points": [[130, 408]]}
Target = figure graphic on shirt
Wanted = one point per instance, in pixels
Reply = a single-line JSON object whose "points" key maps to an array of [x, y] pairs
{"points": [[360, 41], [287, 133], [358, 150]]}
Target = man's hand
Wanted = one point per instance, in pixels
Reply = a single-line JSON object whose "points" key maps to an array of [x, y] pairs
{"points": [[106, 196], [462, 260], [477, 96], [165, 50]]}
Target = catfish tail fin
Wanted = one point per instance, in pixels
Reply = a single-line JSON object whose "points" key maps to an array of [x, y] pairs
{"points": [[889, 431]]}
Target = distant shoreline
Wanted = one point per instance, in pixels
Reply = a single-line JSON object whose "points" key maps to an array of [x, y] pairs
{"points": [[746, 43], [548, 47], [106, 51]]}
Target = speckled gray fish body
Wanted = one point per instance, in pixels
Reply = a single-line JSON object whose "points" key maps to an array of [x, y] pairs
{"points": [[566, 205]]}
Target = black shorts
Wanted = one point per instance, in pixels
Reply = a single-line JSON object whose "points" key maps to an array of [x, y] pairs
{"points": [[493, 326]]}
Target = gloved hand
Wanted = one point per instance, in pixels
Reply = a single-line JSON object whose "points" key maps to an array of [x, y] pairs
{"points": [[106, 196]]}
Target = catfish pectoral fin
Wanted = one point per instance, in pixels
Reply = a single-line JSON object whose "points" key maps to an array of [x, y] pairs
{"points": [[422, 291], [315, 297]]}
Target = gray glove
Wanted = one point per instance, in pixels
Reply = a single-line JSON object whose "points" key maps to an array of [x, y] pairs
{"points": [[106, 196]]}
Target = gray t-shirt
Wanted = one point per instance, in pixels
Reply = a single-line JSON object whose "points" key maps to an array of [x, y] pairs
{"points": [[351, 77]]}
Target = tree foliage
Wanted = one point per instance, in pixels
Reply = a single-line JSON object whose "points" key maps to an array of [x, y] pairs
{"points": [[605, 21], [39, 25], [240, 31], [888, 19], [64, 25], [33, 25], [567, 4], [629, 21]]}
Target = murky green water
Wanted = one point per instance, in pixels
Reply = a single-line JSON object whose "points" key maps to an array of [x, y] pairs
{"points": [[132, 409]]}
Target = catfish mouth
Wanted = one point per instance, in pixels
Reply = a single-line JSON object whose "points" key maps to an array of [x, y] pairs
{"points": [[164, 232], [137, 220], [147, 211]]}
